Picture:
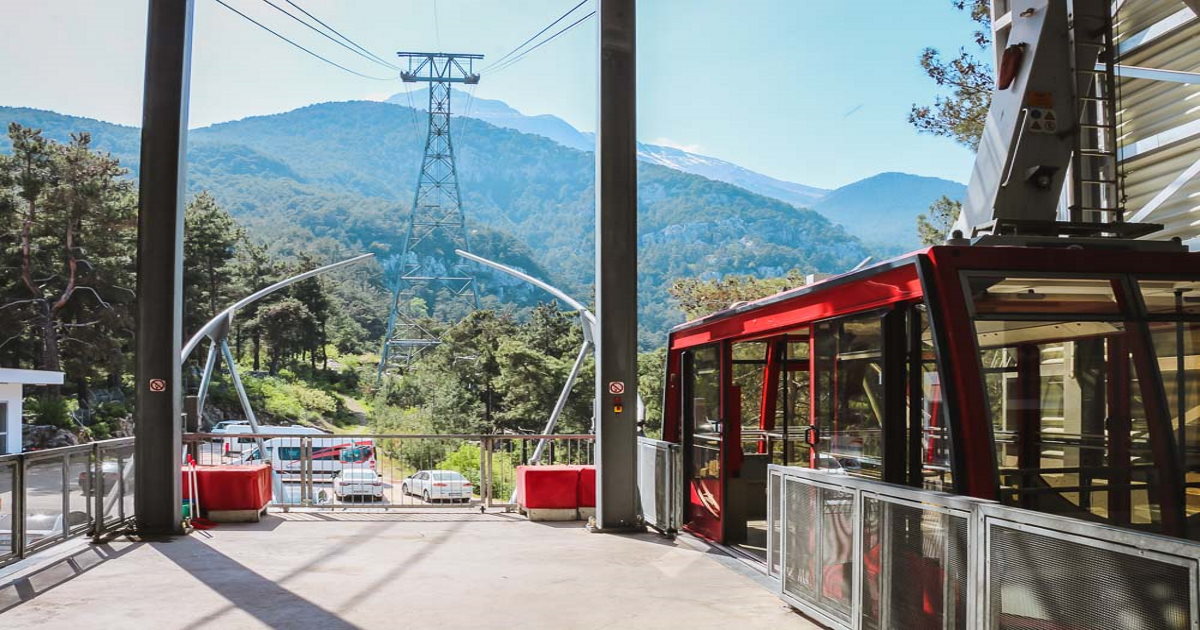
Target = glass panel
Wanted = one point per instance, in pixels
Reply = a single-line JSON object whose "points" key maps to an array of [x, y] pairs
{"points": [[935, 435], [80, 473], [1002, 295], [1070, 429], [6, 509], [749, 365], [704, 467], [1177, 346], [850, 405], [1165, 297], [43, 500]]}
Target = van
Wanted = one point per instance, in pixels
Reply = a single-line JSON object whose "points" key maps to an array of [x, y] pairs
{"points": [[330, 455], [231, 446]]}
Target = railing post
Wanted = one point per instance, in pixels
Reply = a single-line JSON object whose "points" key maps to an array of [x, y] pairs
{"points": [[98, 493], [486, 462], [19, 507], [64, 469]]}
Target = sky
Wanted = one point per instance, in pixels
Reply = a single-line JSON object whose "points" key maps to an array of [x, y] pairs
{"points": [[810, 91]]}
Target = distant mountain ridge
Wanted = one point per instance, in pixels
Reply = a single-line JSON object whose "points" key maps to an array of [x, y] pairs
{"points": [[549, 126], [880, 209], [337, 178]]}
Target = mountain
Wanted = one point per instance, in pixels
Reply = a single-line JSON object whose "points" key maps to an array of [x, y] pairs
{"points": [[882, 209], [501, 114], [337, 178]]}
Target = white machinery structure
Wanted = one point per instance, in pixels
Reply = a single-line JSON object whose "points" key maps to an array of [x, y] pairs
{"points": [[1094, 126]]}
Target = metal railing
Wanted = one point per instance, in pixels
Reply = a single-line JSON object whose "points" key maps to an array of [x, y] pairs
{"points": [[659, 478], [390, 470], [855, 553], [50, 496]]}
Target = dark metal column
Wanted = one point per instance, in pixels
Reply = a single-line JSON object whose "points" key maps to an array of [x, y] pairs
{"points": [[616, 270], [160, 266]]}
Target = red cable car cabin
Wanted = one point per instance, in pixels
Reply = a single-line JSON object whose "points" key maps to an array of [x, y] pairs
{"points": [[1059, 380]]}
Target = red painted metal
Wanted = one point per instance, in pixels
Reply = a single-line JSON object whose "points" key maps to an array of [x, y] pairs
{"points": [[961, 377], [887, 287]]}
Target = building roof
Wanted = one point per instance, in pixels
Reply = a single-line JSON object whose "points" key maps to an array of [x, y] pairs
{"points": [[30, 377]]}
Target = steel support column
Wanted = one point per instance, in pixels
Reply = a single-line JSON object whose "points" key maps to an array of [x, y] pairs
{"points": [[616, 270], [160, 266]]}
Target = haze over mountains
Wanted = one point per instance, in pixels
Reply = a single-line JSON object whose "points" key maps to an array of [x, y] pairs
{"points": [[881, 209], [338, 178]]}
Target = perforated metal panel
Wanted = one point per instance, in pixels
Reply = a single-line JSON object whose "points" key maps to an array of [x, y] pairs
{"points": [[914, 566], [1055, 580]]}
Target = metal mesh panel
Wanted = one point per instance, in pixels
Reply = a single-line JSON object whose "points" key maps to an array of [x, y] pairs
{"points": [[774, 512], [914, 566], [1042, 581], [837, 551], [647, 473], [801, 575]]}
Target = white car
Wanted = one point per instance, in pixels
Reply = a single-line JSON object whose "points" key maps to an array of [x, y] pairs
{"points": [[358, 482], [438, 485]]}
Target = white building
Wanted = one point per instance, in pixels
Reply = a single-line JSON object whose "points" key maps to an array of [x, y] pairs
{"points": [[12, 386]]}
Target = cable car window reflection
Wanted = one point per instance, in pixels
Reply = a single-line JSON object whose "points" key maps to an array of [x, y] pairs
{"points": [[994, 295], [849, 396], [1065, 401]]}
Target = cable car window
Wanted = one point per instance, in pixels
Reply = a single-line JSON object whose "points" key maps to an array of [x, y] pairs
{"points": [[749, 363], [1070, 430], [1177, 346], [998, 295], [933, 437], [849, 397], [1171, 297]]}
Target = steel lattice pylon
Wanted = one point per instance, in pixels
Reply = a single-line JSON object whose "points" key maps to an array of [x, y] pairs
{"points": [[427, 264]]}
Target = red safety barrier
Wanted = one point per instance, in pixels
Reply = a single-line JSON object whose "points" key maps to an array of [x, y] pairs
{"points": [[587, 486], [548, 487], [241, 487]]}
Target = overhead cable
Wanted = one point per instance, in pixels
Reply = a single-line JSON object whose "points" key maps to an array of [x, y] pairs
{"points": [[535, 36], [318, 56]]}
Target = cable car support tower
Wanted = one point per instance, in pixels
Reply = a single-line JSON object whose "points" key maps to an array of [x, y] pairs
{"points": [[437, 226]]}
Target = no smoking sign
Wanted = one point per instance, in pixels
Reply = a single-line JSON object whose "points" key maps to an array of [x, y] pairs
{"points": [[616, 388], [158, 385]]}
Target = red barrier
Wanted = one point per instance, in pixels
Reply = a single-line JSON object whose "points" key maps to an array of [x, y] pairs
{"points": [[548, 487], [241, 487], [587, 486]]}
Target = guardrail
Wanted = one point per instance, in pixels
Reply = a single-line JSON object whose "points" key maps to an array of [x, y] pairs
{"points": [[385, 470], [49, 496], [855, 553], [659, 478]]}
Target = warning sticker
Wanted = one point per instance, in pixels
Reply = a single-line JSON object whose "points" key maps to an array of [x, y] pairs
{"points": [[1042, 120], [1042, 100], [616, 388], [158, 385]]}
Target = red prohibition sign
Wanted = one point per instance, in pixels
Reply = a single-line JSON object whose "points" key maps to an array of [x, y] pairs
{"points": [[158, 385], [616, 388]]}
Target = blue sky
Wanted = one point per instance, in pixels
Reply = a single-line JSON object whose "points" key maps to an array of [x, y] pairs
{"points": [[812, 91]]}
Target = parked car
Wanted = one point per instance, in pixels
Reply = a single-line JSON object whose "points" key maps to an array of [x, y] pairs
{"points": [[358, 482], [109, 471], [438, 485]]}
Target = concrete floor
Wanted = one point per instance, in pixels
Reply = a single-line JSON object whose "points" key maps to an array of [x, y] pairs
{"points": [[437, 569]]}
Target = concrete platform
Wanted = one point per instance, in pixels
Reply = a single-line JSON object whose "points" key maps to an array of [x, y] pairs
{"points": [[446, 569]]}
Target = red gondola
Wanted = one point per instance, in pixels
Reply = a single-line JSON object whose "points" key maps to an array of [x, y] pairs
{"points": [[1064, 380]]}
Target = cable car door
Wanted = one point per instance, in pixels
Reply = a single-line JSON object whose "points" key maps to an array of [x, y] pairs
{"points": [[703, 445]]}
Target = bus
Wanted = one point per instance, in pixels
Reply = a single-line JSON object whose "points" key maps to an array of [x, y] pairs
{"points": [[242, 438]]}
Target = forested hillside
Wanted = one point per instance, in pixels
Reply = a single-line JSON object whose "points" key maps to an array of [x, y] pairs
{"points": [[337, 178]]}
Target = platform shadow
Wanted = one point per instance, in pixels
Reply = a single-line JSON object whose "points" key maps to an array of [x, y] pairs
{"points": [[20, 590]]}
